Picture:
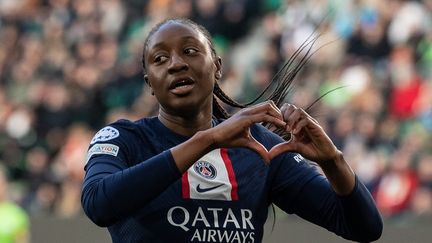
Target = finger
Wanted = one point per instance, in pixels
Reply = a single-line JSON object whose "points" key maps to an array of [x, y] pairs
{"points": [[266, 107], [300, 125], [267, 118], [288, 109], [275, 106], [284, 108], [293, 118], [309, 116], [313, 119], [306, 122], [273, 110]]}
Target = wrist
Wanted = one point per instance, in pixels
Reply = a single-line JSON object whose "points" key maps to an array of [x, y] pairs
{"points": [[335, 158], [205, 139], [339, 173], [197, 146]]}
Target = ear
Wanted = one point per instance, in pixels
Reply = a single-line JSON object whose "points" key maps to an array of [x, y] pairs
{"points": [[146, 79], [148, 83], [218, 75], [218, 64]]}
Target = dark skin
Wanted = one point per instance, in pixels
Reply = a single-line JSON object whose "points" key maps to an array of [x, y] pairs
{"points": [[178, 55], [181, 70]]}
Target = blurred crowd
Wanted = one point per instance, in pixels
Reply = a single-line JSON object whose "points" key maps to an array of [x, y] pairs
{"points": [[67, 67]]}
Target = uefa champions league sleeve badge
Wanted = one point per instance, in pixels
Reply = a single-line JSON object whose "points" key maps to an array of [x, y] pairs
{"points": [[105, 134]]}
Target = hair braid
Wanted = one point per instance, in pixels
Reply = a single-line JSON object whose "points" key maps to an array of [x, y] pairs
{"points": [[277, 89], [225, 98], [218, 110]]}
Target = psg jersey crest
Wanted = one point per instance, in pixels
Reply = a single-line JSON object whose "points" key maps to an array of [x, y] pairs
{"points": [[211, 178], [205, 169]]}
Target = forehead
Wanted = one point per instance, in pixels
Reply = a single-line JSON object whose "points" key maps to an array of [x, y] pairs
{"points": [[173, 31]]}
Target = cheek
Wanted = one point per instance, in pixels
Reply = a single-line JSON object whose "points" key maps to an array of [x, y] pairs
{"points": [[154, 78], [155, 88], [208, 81], [207, 73]]}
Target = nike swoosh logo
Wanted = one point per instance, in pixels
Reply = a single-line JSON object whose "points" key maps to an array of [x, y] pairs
{"points": [[202, 190]]}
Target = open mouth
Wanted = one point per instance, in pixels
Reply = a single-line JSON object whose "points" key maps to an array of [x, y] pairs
{"points": [[182, 86], [181, 83]]}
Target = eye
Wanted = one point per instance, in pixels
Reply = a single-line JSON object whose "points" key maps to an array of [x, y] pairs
{"points": [[160, 59], [190, 50]]}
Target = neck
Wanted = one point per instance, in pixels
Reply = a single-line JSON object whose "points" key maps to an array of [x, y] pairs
{"points": [[186, 125]]}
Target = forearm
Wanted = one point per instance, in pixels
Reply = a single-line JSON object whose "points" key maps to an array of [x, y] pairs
{"points": [[111, 193], [361, 217], [131, 188], [353, 216], [339, 174], [187, 153]]}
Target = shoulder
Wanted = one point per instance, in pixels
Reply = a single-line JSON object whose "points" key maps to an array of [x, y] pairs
{"points": [[112, 131], [113, 138], [120, 129], [116, 140]]}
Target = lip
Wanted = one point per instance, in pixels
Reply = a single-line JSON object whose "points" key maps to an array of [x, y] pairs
{"points": [[183, 89], [176, 81]]}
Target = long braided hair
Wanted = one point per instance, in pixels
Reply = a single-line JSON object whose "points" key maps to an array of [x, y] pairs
{"points": [[277, 89]]}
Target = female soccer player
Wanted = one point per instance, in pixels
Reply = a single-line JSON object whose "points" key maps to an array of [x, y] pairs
{"points": [[196, 174]]}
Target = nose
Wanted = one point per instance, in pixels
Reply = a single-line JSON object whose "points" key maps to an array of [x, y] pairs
{"points": [[177, 64]]}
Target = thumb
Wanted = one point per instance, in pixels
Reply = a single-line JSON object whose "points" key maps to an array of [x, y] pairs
{"points": [[281, 148]]}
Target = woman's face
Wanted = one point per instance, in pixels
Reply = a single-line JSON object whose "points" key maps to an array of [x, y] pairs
{"points": [[181, 69]]}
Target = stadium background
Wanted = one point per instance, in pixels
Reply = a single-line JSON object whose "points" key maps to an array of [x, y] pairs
{"points": [[67, 67]]}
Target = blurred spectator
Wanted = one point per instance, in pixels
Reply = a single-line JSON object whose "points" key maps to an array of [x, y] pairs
{"points": [[14, 223], [406, 83], [397, 186], [422, 201]]}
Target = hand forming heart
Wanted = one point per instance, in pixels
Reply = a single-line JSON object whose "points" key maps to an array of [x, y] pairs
{"points": [[307, 136]]}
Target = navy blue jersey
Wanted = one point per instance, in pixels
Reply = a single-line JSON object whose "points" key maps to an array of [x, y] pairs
{"points": [[133, 187]]}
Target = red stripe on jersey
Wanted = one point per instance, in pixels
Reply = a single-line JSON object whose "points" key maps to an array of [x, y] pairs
{"points": [[231, 175], [185, 186]]}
